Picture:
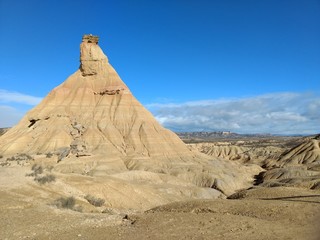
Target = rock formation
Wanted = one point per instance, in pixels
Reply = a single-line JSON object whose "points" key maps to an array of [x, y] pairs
{"points": [[307, 152], [238, 151], [299, 166], [95, 107], [93, 125]]}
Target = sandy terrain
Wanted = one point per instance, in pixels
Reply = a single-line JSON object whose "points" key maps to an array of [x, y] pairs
{"points": [[27, 212]]}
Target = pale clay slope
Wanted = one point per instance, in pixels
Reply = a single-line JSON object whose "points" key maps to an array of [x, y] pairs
{"points": [[308, 152], [237, 152], [116, 144], [300, 166]]}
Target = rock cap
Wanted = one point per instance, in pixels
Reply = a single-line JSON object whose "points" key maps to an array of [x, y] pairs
{"points": [[91, 55], [89, 38]]}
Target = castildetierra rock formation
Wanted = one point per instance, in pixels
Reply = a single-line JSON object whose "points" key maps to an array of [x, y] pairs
{"points": [[95, 111], [93, 124]]}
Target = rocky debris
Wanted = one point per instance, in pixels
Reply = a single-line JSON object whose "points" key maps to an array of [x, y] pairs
{"points": [[77, 130], [111, 91], [62, 153], [78, 148]]}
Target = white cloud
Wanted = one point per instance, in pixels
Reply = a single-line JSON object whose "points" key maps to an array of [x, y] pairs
{"points": [[16, 97], [277, 113], [14, 106], [9, 116]]}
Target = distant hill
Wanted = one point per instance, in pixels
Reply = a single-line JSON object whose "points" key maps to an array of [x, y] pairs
{"points": [[3, 130], [210, 136]]}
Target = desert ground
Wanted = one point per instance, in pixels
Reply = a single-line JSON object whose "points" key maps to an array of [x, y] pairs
{"points": [[269, 209]]}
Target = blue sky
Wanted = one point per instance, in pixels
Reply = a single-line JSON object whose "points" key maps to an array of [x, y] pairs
{"points": [[245, 66]]}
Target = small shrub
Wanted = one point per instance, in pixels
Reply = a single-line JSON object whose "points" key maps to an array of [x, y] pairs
{"points": [[49, 155], [45, 179], [11, 159], [37, 169], [4, 164], [68, 203], [20, 157], [97, 202], [1, 156], [24, 156]]}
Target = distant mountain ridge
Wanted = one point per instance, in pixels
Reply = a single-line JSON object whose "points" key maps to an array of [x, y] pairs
{"points": [[3, 130], [197, 136]]}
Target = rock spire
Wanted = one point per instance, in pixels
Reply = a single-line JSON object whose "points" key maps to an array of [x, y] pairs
{"points": [[91, 56], [95, 109], [91, 124]]}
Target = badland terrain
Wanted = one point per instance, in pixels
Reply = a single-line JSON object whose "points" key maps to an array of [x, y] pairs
{"points": [[90, 162]]}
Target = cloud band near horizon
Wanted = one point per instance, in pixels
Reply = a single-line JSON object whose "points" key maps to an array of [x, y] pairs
{"points": [[276, 113]]}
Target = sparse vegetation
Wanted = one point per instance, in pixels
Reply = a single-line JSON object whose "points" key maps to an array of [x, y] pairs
{"points": [[3, 164], [67, 203], [42, 179], [20, 157], [97, 202], [45, 179], [37, 169], [49, 155]]}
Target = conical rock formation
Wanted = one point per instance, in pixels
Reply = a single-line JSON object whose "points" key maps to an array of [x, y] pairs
{"points": [[95, 109], [94, 126]]}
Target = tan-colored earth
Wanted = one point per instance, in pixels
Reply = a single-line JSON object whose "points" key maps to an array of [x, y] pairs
{"points": [[260, 213], [90, 162]]}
